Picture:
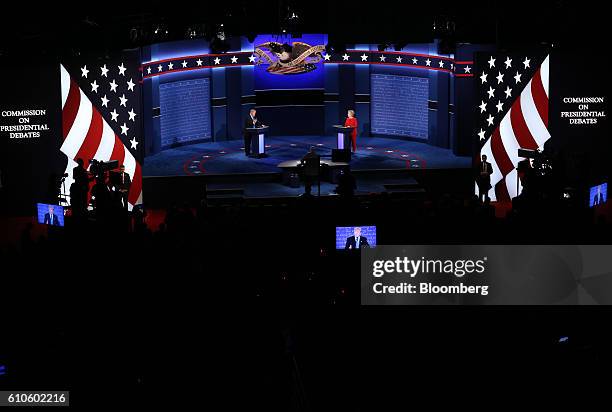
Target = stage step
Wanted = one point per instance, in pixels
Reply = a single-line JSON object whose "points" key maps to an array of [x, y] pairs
{"points": [[224, 193]]}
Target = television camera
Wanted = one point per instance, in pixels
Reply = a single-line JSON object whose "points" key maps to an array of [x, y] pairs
{"points": [[97, 167]]}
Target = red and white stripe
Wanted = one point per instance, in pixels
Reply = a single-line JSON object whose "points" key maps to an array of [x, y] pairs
{"points": [[524, 126], [87, 135]]}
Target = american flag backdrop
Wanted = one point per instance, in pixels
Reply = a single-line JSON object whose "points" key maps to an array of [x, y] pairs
{"points": [[101, 115], [512, 112]]}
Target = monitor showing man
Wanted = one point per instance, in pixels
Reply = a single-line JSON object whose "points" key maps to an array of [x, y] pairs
{"points": [[598, 195], [52, 215], [355, 237]]}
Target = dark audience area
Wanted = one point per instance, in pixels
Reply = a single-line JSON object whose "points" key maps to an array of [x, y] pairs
{"points": [[249, 296], [305, 206]]}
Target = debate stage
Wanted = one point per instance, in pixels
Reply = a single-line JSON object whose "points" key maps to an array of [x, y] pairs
{"points": [[227, 157], [380, 164]]}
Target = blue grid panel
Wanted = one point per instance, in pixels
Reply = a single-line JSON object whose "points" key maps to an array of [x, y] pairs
{"points": [[185, 111], [399, 105]]}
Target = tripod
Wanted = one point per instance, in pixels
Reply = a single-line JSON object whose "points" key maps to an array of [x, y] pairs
{"points": [[63, 197]]}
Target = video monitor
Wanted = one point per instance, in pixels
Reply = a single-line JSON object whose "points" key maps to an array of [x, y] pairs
{"points": [[598, 195], [355, 237], [52, 215]]}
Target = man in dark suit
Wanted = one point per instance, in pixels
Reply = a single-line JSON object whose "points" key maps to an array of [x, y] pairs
{"points": [[356, 241], [249, 122], [310, 169], [79, 189], [485, 170], [123, 182], [51, 218]]}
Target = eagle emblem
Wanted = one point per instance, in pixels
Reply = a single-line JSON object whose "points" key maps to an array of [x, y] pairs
{"points": [[283, 58]]}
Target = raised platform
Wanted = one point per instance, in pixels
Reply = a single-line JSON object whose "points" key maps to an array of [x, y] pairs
{"points": [[381, 165], [373, 153], [169, 190]]}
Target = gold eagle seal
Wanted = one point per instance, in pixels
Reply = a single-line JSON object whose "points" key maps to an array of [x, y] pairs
{"points": [[283, 58]]}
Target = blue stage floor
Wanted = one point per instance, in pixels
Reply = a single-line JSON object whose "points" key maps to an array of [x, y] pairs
{"points": [[365, 185], [373, 153]]}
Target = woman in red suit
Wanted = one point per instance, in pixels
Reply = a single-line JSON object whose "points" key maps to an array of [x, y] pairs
{"points": [[351, 121]]}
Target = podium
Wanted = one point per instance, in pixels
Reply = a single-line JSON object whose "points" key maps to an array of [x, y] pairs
{"points": [[258, 140], [344, 136], [343, 142]]}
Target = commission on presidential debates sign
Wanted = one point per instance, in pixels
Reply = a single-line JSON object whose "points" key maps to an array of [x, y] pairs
{"points": [[486, 275]]}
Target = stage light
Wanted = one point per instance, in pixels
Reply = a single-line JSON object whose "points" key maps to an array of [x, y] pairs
{"points": [[195, 31], [444, 31], [220, 32], [134, 35], [291, 22], [219, 44], [160, 32]]}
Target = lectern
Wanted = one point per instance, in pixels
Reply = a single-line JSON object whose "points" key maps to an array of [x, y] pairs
{"points": [[344, 136], [258, 140]]}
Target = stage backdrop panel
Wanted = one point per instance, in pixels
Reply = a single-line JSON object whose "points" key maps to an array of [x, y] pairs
{"points": [[399, 105], [286, 95], [185, 111]]}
